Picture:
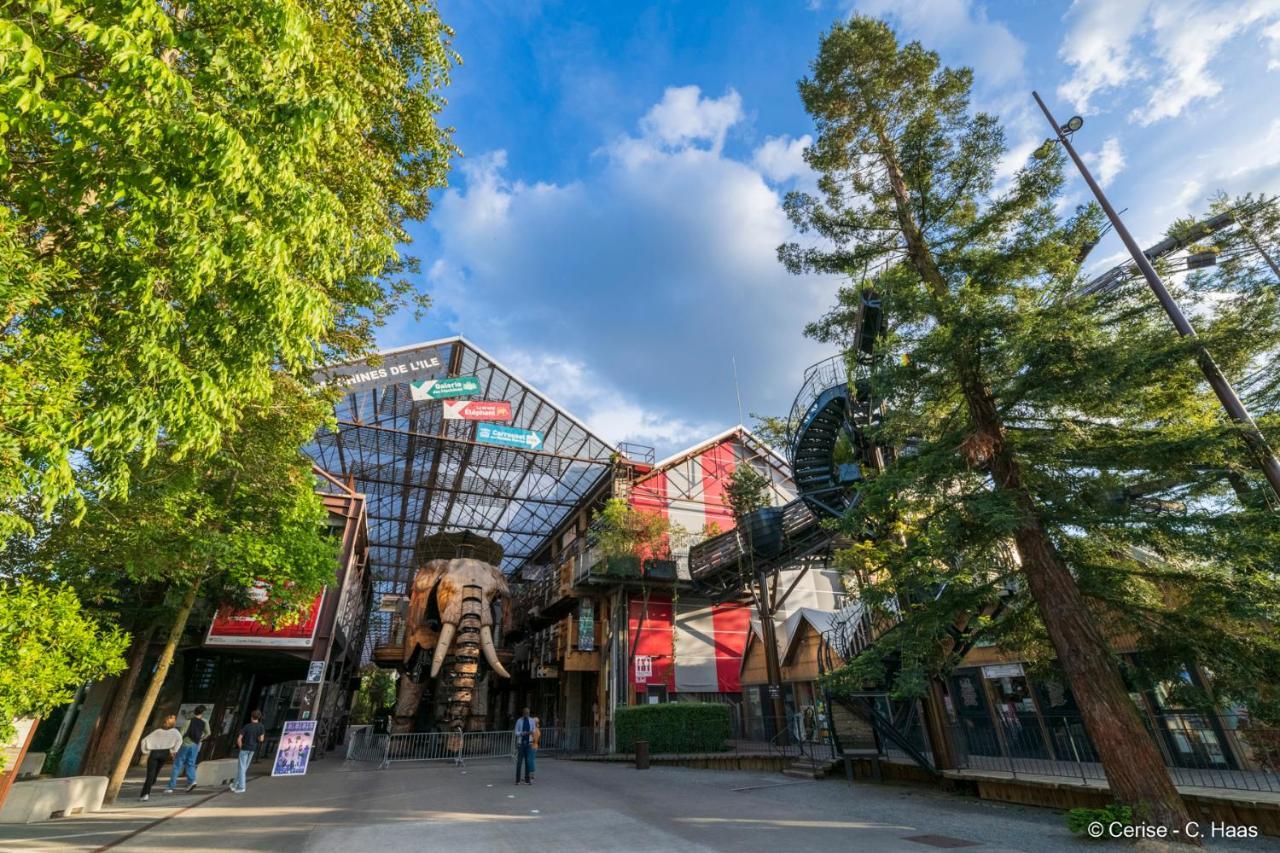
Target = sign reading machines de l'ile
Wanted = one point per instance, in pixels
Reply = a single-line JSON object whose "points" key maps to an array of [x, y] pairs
{"points": [[398, 367]]}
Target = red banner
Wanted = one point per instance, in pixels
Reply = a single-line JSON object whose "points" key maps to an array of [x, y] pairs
{"points": [[477, 410], [241, 628]]}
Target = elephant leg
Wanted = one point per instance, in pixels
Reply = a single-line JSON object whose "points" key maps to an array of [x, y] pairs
{"points": [[408, 695]]}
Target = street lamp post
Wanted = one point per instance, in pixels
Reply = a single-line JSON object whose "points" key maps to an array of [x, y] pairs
{"points": [[1235, 409]]}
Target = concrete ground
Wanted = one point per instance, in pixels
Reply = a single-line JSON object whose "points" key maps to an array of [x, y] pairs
{"points": [[573, 806]]}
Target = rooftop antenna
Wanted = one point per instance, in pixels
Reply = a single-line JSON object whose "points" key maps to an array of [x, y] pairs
{"points": [[737, 392]]}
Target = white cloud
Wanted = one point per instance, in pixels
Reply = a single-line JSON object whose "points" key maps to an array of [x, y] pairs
{"points": [[648, 276], [1099, 45], [683, 116], [1173, 42], [600, 405], [957, 28], [1188, 36], [781, 158], [1272, 35], [1108, 162]]}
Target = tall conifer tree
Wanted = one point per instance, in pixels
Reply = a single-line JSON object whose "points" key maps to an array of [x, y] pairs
{"points": [[1065, 448]]}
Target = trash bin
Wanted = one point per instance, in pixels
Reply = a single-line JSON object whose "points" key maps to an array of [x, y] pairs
{"points": [[642, 755]]}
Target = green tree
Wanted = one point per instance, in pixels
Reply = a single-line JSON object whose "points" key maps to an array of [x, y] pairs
{"points": [[48, 647], [193, 195], [207, 531], [747, 490], [1046, 429], [377, 691]]}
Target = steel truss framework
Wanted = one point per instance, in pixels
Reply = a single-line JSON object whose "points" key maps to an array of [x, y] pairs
{"points": [[423, 474]]}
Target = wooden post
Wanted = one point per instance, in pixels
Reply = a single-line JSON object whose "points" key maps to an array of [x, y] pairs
{"points": [[11, 773]]}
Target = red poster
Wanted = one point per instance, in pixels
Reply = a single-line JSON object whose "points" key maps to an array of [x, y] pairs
{"points": [[477, 410], [241, 628]]}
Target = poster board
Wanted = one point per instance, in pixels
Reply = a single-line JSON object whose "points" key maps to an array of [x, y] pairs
{"points": [[241, 628], [187, 710], [294, 751]]}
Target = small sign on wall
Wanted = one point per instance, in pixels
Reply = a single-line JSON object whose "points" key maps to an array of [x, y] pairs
{"points": [[315, 672], [644, 668]]}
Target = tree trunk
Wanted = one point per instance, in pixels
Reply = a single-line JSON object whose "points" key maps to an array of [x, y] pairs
{"points": [[127, 751], [107, 743], [1134, 767]]}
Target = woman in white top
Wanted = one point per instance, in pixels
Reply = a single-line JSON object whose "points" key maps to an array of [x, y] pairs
{"points": [[159, 746]]}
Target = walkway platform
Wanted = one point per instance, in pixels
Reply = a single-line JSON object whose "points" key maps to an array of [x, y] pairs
{"points": [[573, 806]]}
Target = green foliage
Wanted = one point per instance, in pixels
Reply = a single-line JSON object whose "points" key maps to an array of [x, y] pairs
{"points": [[377, 690], [772, 430], [246, 514], [1124, 456], [673, 727], [1078, 820], [621, 530], [192, 196], [48, 648], [747, 490]]}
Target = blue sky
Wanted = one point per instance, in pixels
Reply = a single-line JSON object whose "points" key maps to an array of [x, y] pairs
{"points": [[610, 232]]}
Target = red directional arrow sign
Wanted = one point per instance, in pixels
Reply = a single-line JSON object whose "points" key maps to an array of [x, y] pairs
{"points": [[477, 410]]}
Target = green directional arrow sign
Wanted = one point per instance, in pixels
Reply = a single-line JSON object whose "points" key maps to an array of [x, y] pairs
{"points": [[440, 389]]}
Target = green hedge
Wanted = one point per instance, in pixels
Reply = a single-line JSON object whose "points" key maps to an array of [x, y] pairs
{"points": [[673, 727]]}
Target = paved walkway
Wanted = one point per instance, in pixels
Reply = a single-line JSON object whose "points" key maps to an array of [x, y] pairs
{"points": [[574, 806]]}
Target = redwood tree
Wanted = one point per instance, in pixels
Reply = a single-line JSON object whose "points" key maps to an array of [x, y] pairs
{"points": [[977, 280]]}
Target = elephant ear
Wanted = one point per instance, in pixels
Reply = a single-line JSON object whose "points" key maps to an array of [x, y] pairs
{"points": [[502, 587], [424, 583]]}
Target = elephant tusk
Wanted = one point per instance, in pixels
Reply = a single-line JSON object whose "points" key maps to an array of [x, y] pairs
{"points": [[490, 653], [442, 647]]}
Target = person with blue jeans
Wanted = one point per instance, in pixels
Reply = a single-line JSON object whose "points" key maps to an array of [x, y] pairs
{"points": [[526, 727], [250, 737], [193, 732]]}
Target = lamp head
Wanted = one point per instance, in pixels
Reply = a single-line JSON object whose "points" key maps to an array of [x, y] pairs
{"points": [[1073, 124]]}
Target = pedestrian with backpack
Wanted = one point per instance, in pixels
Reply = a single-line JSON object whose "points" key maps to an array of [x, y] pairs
{"points": [[193, 734]]}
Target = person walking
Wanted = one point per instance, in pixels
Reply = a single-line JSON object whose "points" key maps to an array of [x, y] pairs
{"points": [[251, 736], [526, 728], [159, 746], [193, 733]]}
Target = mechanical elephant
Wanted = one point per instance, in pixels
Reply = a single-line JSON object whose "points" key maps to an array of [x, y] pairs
{"points": [[451, 615]]}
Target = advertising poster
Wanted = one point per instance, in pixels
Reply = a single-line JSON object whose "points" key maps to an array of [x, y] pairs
{"points": [[188, 710], [241, 627], [294, 750]]}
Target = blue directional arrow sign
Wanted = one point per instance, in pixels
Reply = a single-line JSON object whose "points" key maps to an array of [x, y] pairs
{"points": [[508, 436]]}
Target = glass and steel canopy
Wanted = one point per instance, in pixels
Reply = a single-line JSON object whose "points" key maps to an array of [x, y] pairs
{"points": [[423, 473]]}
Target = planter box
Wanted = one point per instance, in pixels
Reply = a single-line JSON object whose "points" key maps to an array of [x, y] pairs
{"points": [[618, 567], [42, 799], [763, 530], [660, 570]]}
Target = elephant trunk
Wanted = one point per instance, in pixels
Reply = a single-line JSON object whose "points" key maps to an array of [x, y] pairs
{"points": [[442, 647], [490, 653]]}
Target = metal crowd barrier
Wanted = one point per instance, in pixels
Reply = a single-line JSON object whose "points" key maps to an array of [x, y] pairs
{"points": [[448, 746]]}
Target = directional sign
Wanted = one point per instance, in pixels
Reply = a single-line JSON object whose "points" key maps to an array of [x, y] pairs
{"points": [[509, 436], [439, 389], [477, 410]]}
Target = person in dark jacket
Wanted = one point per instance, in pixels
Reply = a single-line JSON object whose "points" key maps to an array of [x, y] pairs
{"points": [[193, 733]]}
